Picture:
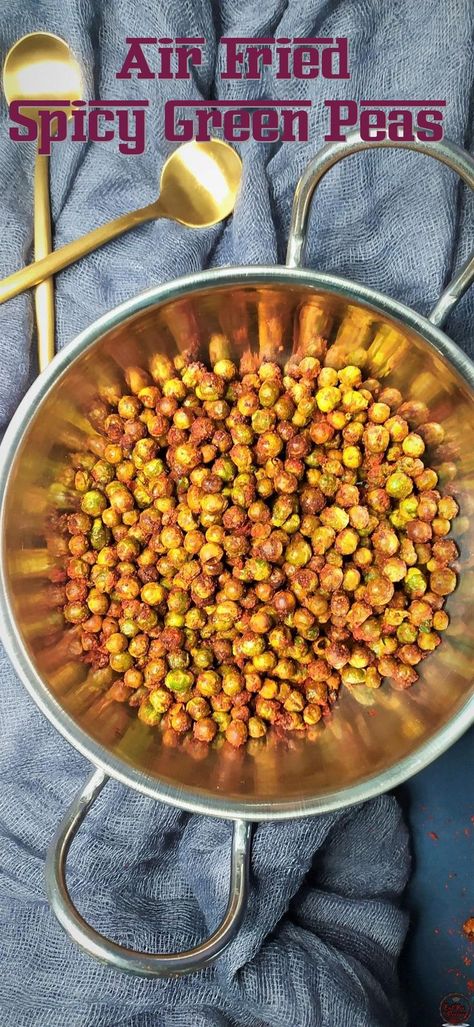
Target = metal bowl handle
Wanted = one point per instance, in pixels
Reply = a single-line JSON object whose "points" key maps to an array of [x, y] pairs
{"points": [[447, 152], [142, 964]]}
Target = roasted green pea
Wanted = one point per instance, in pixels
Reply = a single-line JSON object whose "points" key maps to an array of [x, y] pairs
{"points": [[179, 680], [93, 503]]}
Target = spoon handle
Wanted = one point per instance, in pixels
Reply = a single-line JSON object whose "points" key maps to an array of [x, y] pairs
{"points": [[44, 293], [34, 273]]}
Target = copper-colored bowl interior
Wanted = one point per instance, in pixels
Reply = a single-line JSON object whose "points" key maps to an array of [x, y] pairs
{"points": [[370, 731]]}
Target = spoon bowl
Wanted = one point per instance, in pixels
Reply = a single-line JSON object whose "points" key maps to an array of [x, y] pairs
{"points": [[199, 183], [40, 66]]}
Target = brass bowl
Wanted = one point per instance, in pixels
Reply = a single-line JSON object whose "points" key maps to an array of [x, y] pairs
{"points": [[375, 739]]}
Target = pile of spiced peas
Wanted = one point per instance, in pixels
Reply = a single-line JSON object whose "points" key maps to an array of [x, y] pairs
{"points": [[245, 545]]}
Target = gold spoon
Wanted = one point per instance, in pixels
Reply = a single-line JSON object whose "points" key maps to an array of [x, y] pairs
{"points": [[40, 66], [198, 188]]}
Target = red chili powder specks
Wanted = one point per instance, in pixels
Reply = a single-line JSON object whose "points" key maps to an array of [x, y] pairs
{"points": [[470, 987], [467, 961], [433, 836]]}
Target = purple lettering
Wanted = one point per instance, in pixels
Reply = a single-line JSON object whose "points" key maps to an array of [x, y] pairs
{"points": [[372, 125], [255, 55], [206, 121], [233, 59], [288, 134], [188, 57], [173, 124], [340, 52], [131, 130], [236, 125], [165, 54], [29, 124], [264, 123], [136, 60], [78, 116], [338, 120], [284, 61], [94, 132], [428, 130], [52, 124], [400, 126], [306, 62]]}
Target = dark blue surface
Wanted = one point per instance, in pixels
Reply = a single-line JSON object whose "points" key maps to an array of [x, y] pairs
{"points": [[438, 958]]}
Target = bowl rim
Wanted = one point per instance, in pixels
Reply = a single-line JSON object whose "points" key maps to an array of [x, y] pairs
{"points": [[195, 800]]}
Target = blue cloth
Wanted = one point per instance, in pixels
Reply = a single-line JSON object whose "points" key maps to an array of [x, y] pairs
{"points": [[320, 943]]}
